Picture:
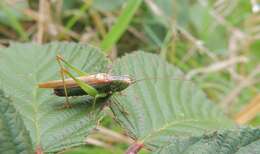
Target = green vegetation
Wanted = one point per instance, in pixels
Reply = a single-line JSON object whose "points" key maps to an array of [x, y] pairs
{"points": [[196, 64]]}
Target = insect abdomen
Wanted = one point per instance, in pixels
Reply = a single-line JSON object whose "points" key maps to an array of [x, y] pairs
{"points": [[75, 91], [107, 88]]}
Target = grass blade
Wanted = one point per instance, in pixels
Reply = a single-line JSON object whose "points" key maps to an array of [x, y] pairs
{"points": [[14, 22], [76, 17], [121, 25]]}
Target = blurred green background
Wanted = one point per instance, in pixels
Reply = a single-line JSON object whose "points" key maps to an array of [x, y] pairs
{"points": [[215, 42]]}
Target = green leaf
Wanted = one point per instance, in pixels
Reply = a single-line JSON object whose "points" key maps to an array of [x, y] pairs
{"points": [[23, 66], [237, 141], [14, 138], [159, 108]]}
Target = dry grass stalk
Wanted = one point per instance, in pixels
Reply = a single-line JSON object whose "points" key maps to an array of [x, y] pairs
{"points": [[249, 112], [44, 17], [98, 143]]}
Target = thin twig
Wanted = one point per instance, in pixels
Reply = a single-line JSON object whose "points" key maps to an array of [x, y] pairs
{"points": [[236, 41], [156, 10], [217, 66], [248, 81], [138, 34], [198, 43], [225, 7], [221, 20]]}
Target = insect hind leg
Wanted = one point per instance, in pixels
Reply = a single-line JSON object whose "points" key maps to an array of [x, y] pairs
{"points": [[121, 108]]}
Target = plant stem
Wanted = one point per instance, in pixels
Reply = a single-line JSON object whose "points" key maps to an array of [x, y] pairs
{"points": [[134, 148]]}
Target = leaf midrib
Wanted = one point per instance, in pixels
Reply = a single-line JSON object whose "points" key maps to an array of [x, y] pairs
{"points": [[36, 118]]}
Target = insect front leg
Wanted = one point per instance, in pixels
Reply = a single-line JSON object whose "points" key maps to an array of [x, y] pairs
{"points": [[67, 104], [97, 97]]}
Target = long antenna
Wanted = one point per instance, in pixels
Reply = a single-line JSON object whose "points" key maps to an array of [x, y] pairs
{"points": [[161, 78]]}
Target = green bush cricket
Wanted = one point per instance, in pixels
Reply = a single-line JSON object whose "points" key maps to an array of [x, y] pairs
{"points": [[98, 85]]}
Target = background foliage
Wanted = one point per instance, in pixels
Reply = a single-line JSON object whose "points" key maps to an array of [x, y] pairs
{"points": [[214, 42]]}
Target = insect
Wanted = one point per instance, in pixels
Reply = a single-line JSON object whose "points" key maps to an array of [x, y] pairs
{"points": [[99, 85]]}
